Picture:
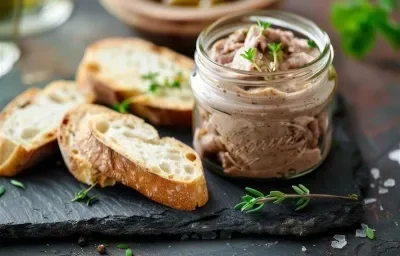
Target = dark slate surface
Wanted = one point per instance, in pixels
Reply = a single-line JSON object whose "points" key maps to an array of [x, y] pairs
{"points": [[45, 209]]}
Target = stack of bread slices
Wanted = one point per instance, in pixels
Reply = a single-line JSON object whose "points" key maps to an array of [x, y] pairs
{"points": [[101, 146]]}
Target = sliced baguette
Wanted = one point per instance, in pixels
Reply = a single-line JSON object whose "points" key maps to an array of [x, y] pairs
{"points": [[164, 170], [114, 67], [28, 124], [74, 129]]}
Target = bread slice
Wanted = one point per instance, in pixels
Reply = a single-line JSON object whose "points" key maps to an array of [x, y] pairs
{"points": [[28, 124], [74, 129], [114, 69], [165, 170]]}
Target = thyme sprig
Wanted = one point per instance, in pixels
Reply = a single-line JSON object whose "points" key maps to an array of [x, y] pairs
{"points": [[82, 195], [368, 231], [255, 200], [263, 26], [276, 54], [250, 55]]}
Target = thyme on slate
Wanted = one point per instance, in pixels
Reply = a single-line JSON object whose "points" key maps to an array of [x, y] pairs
{"points": [[17, 184], [368, 231], [2, 190], [255, 200], [82, 195]]}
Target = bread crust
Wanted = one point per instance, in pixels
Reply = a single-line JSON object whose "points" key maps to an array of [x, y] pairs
{"points": [[16, 157], [77, 164], [108, 92], [114, 162]]}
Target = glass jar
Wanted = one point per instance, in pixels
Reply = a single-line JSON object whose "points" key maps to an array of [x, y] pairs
{"points": [[268, 131]]}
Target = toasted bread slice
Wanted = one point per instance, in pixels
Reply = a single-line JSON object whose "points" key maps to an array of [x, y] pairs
{"points": [[165, 170], [115, 69], [74, 129], [28, 124]]}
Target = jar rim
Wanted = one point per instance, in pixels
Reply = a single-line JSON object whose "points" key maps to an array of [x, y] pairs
{"points": [[275, 17]]}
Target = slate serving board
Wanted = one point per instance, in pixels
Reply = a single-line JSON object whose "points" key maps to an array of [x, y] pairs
{"points": [[44, 208]]}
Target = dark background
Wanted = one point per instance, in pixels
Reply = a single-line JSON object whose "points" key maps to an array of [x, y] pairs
{"points": [[371, 88]]}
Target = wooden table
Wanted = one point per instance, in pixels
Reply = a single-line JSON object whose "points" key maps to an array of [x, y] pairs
{"points": [[370, 87]]}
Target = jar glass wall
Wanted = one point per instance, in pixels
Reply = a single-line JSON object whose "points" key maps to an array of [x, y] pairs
{"points": [[263, 124]]}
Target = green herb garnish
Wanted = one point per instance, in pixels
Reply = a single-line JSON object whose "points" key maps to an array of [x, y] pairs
{"points": [[123, 107], [359, 22], [311, 43], [156, 86], [276, 54], [123, 246], [128, 252], [368, 231], [2, 190], [150, 76], [263, 26], [83, 195], [91, 200], [17, 184], [255, 200], [250, 55]]}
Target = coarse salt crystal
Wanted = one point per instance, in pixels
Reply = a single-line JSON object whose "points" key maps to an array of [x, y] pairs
{"points": [[340, 243], [372, 185], [381, 208], [303, 249], [389, 183], [395, 155], [369, 200], [361, 233], [375, 173], [383, 190]]}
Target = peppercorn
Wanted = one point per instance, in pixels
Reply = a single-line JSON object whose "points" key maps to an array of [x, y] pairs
{"points": [[82, 241], [101, 249]]}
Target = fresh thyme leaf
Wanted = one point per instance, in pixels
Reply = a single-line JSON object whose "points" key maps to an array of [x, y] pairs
{"points": [[304, 204], [17, 184], [2, 190], [123, 246], [249, 54], [91, 200], [276, 54], [353, 196], [369, 231], [257, 209], [263, 25], [306, 190], [254, 191], [311, 43], [247, 198], [239, 205], [150, 76], [279, 200], [298, 190], [122, 107], [154, 87], [82, 194], [276, 193], [128, 252]]}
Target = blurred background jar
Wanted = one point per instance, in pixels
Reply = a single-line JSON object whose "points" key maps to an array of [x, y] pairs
{"points": [[26, 17]]}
